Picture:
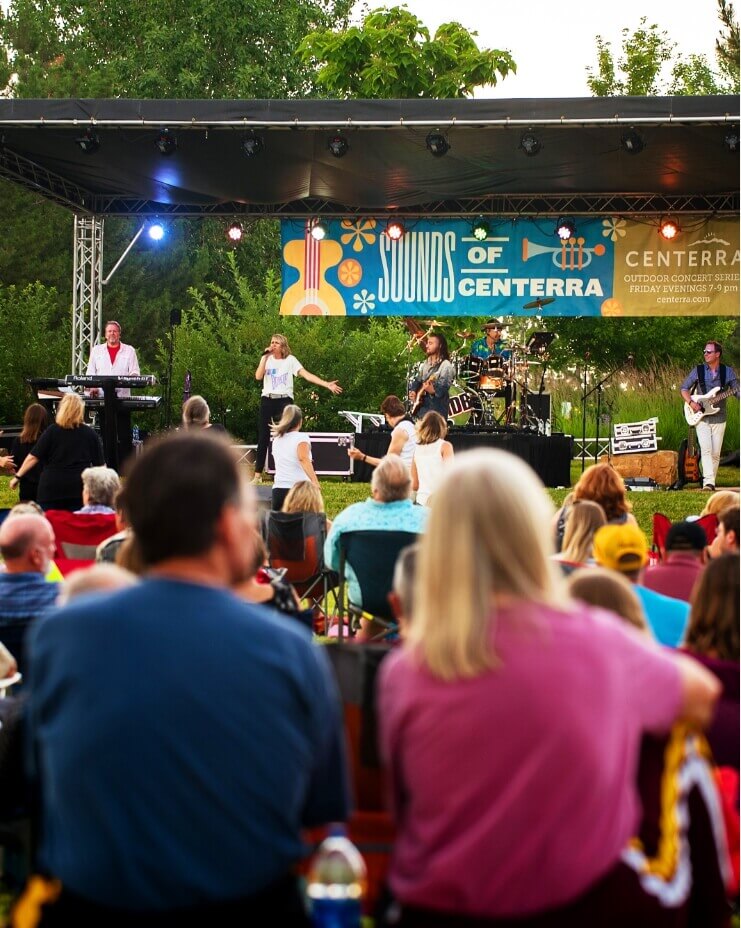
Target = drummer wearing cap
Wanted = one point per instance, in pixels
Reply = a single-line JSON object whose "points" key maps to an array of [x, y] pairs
{"points": [[491, 343]]}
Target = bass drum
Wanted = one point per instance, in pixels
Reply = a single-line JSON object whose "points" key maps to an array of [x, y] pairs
{"points": [[465, 406]]}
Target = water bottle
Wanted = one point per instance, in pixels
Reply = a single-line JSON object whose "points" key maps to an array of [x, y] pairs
{"points": [[336, 882], [135, 433]]}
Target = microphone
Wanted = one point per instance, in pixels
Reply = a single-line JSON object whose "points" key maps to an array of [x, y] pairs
{"points": [[267, 351]]}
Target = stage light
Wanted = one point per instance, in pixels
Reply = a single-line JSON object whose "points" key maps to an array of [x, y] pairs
{"points": [[730, 140], [480, 229], [156, 231], [395, 229], [252, 145], [530, 143], [338, 145], [632, 142], [89, 142], [166, 142], [319, 229], [669, 228], [565, 229], [235, 232], [437, 144]]}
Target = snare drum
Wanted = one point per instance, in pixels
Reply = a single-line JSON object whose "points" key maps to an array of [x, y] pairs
{"points": [[491, 378], [469, 371]]}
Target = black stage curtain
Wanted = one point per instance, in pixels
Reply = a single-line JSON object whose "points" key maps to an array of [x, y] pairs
{"points": [[548, 455]]}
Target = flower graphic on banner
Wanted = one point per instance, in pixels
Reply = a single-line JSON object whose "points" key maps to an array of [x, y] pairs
{"points": [[359, 233], [614, 228], [364, 301]]}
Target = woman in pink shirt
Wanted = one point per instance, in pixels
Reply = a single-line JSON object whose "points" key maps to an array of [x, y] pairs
{"points": [[512, 718]]}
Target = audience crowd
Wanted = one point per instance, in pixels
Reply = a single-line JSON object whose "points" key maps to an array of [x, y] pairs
{"points": [[184, 731]]}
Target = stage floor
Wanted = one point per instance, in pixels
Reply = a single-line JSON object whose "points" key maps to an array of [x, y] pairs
{"points": [[548, 455]]}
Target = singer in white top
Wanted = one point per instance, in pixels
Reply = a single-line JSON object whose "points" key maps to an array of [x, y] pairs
{"points": [[276, 369], [113, 357]]}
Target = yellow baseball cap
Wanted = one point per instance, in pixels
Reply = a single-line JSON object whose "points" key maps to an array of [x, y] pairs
{"points": [[620, 547]]}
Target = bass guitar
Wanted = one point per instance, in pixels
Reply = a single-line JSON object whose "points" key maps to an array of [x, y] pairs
{"points": [[703, 401], [689, 461]]}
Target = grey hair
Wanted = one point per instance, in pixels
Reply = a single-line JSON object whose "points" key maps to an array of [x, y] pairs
{"points": [[291, 419], [391, 479], [102, 485]]}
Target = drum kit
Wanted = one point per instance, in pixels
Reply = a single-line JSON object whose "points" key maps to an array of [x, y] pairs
{"points": [[487, 392]]}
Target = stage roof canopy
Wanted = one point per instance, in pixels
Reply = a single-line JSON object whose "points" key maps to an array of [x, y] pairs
{"points": [[684, 163]]}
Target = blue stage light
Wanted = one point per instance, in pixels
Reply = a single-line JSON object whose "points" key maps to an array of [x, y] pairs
{"points": [[156, 231]]}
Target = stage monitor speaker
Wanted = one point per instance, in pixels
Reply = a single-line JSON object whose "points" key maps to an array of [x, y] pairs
{"points": [[540, 403]]}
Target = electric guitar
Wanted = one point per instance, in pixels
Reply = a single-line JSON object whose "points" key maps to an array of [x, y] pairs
{"points": [[701, 399], [421, 394]]}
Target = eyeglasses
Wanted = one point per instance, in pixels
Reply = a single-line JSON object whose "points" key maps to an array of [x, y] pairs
{"points": [[710, 351]]}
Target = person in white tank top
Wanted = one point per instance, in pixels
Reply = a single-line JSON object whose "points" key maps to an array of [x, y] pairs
{"points": [[403, 434], [292, 455], [430, 456]]}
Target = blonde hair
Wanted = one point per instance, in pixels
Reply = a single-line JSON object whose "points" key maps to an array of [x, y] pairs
{"points": [[195, 412], [284, 346], [583, 519], [431, 427], [487, 534], [608, 589], [291, 419], [71, 411], [718, 501], [304, 496]]}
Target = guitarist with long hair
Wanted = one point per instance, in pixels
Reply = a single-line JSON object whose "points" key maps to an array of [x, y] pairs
{"points": [[430, 389], [705, 391]]}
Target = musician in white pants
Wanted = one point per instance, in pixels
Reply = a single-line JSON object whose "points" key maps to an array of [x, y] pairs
{"points": [[710, 428]]}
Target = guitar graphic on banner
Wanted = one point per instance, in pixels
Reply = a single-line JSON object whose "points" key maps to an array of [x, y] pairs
{"points": [[311, 295]]}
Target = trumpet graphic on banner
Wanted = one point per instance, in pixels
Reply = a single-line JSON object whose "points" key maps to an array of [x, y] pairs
{"points": [[569, 255]]}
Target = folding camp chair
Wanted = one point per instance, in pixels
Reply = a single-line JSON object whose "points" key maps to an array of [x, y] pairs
{"points": [[372, 556], [295, 542], [662, 524], [78, 536]]}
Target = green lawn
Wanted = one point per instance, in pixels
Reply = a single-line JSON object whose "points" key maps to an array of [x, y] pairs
{"points": [[339, 494]]}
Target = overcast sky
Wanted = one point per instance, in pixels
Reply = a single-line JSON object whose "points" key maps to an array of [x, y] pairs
{"points": [[553, 41]]}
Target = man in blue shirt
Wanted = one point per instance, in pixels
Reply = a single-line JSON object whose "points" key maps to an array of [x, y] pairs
{"points": [[184, 738], [27, 547], [390, 509], [711, 427], [624, 548], [493, 359]]}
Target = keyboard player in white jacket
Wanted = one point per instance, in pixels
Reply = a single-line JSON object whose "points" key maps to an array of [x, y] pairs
{"points": [[113, 357], [110, 359]]}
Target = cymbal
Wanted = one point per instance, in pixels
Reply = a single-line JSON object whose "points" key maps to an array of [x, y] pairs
{"points": [[434, 324], [536, 304], [465, 335]]}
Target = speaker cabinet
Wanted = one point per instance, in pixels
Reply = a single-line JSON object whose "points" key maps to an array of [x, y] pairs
{"points": [[540, 403]]}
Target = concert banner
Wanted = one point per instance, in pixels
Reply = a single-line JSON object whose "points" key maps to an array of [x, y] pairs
{"points": [[609, 267]]}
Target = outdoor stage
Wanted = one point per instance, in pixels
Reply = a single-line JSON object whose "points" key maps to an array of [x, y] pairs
{"points": [[548, 455]]}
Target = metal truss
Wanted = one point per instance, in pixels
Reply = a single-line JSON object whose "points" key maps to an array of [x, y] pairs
{"points": [[38, 179], [621, 204], [87, 303]]}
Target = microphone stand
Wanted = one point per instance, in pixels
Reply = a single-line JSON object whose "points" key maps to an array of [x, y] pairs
{"points": [[597, 388]]}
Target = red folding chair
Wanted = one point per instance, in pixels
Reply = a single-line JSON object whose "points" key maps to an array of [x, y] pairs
{"points": [[78, 536], [662, 524]]}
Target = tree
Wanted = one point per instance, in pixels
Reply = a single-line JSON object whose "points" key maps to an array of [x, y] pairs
{"points": [[35, 342], [727, 46], [641, 68], [392, 55], [172, 48]]}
